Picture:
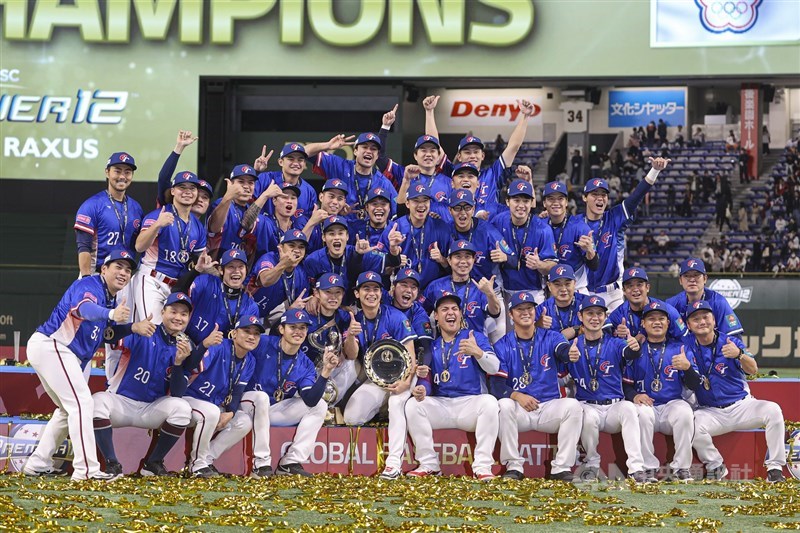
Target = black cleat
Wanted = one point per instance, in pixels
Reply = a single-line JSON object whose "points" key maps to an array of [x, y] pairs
{"points": [[292, 469]]}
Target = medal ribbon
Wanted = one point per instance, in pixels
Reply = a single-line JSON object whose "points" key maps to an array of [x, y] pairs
{"points": [[526, 362], [593, 368], [656, 368], [282, 380], [122, 220], [231, 380]]}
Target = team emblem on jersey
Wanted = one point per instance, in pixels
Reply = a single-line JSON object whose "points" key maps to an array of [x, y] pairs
{"points": [[606, 238], [680, 323], [463, 359], [471, 307], [719, 16], [669, 371], [731, 320], [545, 361], [84, 219], [721, 368], [136, 223], [563, 251], [440, 196], [605, 367], [267, 264], [288, 385]]}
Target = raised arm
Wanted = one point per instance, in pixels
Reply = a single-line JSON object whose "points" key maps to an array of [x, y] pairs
{"points": [[336, 142], [429, 103], [517, 137]]}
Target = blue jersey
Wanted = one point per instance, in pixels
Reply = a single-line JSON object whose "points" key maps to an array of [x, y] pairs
{"points": [[466, 378], [490, 181], [725, 375], [438, 185], [268, 233], [420, 321], [319, 262], [633, 320], [523, 240], [111, 224], [221, 374], [295, 373], [485, 238], [143, 370], [418, 244], [603, 361], [287, 288], [233, 236], [361, 227], [173, 246], [474, 305], [305, 202], [533, 356], [340, 321], [656, 360], [563, 317], [565, 236], [389, 323], [726, 320], [65, 325], [213, 306], [609, 238], [332, 166]]}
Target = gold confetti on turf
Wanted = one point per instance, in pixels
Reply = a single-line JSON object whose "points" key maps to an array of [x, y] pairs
{"points": [[783, 525]]}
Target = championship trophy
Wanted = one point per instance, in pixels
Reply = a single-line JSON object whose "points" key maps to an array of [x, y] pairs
{"points": [[327, 339], [386, 362]]}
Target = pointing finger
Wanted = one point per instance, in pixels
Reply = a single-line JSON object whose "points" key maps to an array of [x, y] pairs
{"points": [[263, 150]]}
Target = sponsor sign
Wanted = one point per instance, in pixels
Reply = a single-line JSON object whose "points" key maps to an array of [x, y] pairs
{"points": [[629, 108]]}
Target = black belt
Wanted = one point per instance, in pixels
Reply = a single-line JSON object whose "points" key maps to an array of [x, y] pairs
{"points": [[603, 402], [726, 405]]}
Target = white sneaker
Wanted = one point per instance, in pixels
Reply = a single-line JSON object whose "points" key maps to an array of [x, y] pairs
{"points": [[391, 472]]}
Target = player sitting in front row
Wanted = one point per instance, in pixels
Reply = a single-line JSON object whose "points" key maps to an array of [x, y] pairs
{"points": [[724, 397]]}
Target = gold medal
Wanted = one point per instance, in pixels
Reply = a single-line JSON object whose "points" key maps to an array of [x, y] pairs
{"points": [[444, 376], [655, 385], [706, 383], [278, 395], [525, 380], [593, 385]]}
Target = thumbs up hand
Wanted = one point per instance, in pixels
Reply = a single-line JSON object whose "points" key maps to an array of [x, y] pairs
{"points": [[184, 349], [730, 350], [122, 313], [632, 342], [435, 253], [145, 327], [680, 360], [574, 352], [165, 218], [532, 260], [498, 255], [545, 320], [469, 346], [355, 326], [622, 330], [214, 338]]}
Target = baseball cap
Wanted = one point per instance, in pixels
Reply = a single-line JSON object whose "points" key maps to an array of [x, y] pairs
{"points": [[294, 188], [462, 245], [554, 187], [654, 306], [407, 273], [519, 298], [561, 272], [243, 170], [233, 255], [634, 273], [294, 235], [520, 188], [597, 183], [592, 301], [121, 158], [120, 255], [461, 196], [469, 167], [330, 280], [377, 192], [292, 148], [700, 305], [446, 295], [179, 298], [185, 176], [295, 316], [693, 264], [334, 220], [419, 190], [368, 277], [206, 186], [369, 137], [335, 185], [426, 139], [250, 320], [469, 139]]}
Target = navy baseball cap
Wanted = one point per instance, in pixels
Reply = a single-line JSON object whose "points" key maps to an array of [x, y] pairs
{"points": [[520, 188], [461, 196], [369, 137], [634, 273], [519, 298], [121, 158], [554, 187], [290, 187], [233, 255], [418, 190], [462, 245], [700, 305], [293, 148], [120, 255], [693, 263], [407, 273], [179, 298], [597, 183], [654, 306], [185, 176], [466, 166], [561, 272], [335, 185], [295, 316], [446, 295], [377, 192], [593, 301], [250, 320], [294, 235], [206, 186], [333, 221], [368, 277], [240, 171], [426, 139], [469, 139], [330, 280]]}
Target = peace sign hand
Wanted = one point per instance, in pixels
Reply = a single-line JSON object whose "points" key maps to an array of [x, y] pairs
{"points": [[262, 161]]}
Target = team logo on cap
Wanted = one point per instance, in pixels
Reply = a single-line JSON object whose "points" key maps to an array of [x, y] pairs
{"points": [[461, 195], [426, 137], [333, 279], [520, 186], [419, 188], [180, 296], [554, 186], [653, 305], [124, 157], [597, 183], [462, 244], [298, 314], [377, 191], [336, 183], [245, 169], [253, 320], [560, 270], [691, 263], [593, 300], [697, 305], [470, 139], [371, 276], [295, 146], [187, 175], [409, 272], [523, 296], [370, 137], [125, 254]]}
